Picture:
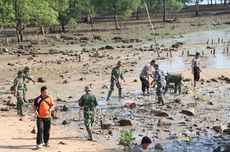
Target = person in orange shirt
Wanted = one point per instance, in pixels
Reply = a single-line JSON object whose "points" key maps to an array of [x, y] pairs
{"points": [[43, 106]]}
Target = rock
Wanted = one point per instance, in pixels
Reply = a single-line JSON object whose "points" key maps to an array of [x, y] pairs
{"points": [[105, 125], [210, 103], [158, 147], [226, 131], [124, 122], [65, 82], [220, 128], [20, 119], [135, 80], [108, 47], [177, 100], [104, 87], [189, 112], [97, 37], [110, 132], [61, 143], [5, 50], [84, 39], [162, 123], [5, 109], [33, 131], [67, 37], [9, 103], [40, 79], [82, 79], [65, 108], [65, 122], [159, 113]]}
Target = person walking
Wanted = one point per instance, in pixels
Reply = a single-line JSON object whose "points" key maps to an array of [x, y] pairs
{"points": [[160, 81], [116, 76], [88, 102], [196, 68], [43, 106], [146, 72], [18, 91]]}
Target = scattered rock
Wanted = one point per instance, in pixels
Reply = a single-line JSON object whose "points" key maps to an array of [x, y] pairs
{"points": [[104, 87], [189, 112], [177, 100], [162, 123], [61, 143], [135, 80], [82, 79], [97, 37], [108, 47], [105, 125], [65, 108], [65, 122], [220, 128], [65, 82], [159, 113], [124, 122], [40, 79], [5, 109], [33, 131]]}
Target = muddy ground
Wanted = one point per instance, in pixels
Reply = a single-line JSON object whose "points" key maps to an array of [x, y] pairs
{"points": [[69, 62]]}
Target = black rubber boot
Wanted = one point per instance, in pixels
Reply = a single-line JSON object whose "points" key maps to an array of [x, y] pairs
{"points": [[90, 134]]}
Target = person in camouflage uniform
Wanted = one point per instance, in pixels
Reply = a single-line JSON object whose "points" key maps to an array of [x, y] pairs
{"points": [[176, 79], [115, 80], [28, 77], [88, 102], [18, 91], [160, 81]]}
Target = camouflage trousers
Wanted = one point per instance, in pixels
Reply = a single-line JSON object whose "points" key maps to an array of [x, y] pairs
{"points": [[89, 120], [112, 89], [20, 102]]}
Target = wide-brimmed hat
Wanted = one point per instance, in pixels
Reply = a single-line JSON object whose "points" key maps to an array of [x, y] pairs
{"points": [[119, 63], [87, 89], [20, 72], [26, 68]]}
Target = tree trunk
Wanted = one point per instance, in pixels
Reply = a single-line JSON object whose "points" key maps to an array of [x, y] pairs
{"points": [[20, 35], [116, 22], [5, 35], [225, 2], [211, 2], [137, 15], [42, 31], [164, 10], [63, 27], [197, 8], [91, 20]]}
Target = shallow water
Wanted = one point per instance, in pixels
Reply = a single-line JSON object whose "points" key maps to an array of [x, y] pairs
{"points": [[197, 39]]}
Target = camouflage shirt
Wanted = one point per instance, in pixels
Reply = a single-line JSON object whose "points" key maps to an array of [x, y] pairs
{"points": [[19, 84], [88, 102], [116, 74], [26, 76]]}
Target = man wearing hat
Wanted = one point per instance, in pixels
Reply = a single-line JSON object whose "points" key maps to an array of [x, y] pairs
{"points": [[18, 91], [116, 76], [88, 102], [26, 74]]}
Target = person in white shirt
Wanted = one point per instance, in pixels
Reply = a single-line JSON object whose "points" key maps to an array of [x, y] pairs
{"points": [[146, 72]]}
